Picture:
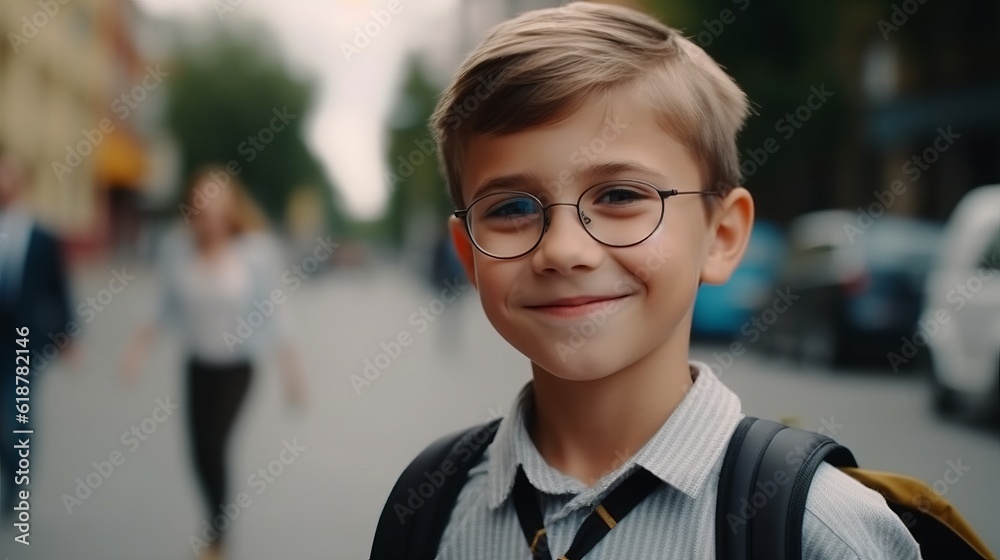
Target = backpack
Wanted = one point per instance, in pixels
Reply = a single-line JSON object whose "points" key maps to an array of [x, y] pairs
{"points": [[419, 506]]}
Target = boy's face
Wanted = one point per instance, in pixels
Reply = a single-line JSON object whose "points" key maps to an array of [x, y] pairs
{"points": [[644, 293]]}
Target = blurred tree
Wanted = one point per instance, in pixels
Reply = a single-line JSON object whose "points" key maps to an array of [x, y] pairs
{"points": [[232, 99], [776, 53], [780, 50], [830, 120], [417, 187]]}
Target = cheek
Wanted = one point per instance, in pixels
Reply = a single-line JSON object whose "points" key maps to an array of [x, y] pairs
{"points": [[493, 282], [664, 266]]}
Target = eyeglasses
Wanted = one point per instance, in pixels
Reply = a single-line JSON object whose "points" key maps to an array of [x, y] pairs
{"points": [[618, 213]]}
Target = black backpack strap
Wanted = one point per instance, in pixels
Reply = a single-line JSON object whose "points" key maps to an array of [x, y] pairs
{"points": [[763, 486], [419, 506]]}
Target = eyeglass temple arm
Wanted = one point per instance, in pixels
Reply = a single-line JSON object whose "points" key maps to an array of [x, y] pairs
{"points": [[672, 192]]}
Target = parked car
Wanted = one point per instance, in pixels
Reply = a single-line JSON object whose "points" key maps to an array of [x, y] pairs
{"points": [[721, 311], [858, 282], [963, 302]]}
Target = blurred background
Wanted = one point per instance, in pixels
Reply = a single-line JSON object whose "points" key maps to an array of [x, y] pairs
{"points": [[868, 303]]}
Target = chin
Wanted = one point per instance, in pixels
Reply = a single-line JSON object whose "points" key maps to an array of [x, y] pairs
{"points": [[579, 375], [584, 364]]}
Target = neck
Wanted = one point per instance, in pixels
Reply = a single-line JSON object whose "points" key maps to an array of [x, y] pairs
{"points": [[587, 429]]}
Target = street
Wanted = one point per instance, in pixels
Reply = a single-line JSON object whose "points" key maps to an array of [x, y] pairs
{"points": [[391, 366]]}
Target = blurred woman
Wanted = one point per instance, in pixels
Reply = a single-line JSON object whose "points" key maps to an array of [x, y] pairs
{"points": [[216, 276]]}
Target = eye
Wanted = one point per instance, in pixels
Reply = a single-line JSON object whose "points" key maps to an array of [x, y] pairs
{"points": [[512, 208], [618, 195]]}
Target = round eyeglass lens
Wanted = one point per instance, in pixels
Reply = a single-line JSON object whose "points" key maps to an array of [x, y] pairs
{"points": [[506, 225], [621, 213]]}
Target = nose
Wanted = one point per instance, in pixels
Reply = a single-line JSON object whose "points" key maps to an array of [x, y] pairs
{"points": [[566, 246]]}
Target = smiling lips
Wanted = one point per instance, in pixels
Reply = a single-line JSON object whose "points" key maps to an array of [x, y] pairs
{"points": [[576, 306]]}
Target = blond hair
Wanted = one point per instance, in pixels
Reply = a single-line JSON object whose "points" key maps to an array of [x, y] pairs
{"points": [[211, 179], [536, 68]]}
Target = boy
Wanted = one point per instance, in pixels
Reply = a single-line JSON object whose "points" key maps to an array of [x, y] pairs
{"points": [[565, 168]]}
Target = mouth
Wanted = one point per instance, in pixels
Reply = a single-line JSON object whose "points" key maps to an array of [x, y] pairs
{"points": [[576, 306]]}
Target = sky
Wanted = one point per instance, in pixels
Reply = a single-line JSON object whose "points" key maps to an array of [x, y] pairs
{"points": [[356, 90]]}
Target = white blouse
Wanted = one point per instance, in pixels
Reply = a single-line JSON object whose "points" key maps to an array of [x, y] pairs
{"points": [[223, 307]]}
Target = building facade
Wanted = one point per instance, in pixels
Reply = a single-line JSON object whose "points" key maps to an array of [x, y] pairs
{"points": [[68, 71]]}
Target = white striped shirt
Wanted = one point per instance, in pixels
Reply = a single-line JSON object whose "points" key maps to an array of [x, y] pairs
{"points": [[843, 519]]}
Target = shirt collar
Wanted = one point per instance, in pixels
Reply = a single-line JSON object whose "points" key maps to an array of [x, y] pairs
{"points": [[681, 453]]}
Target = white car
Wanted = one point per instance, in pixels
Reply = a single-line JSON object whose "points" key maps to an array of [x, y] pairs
{"points": [[961, 315]]}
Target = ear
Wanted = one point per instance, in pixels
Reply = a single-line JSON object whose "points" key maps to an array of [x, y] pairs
{"points": [[729, 231], [463, 247]]}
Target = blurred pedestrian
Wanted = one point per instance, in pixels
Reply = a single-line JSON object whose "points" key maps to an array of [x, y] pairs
{"points": [[445, 264], [33, 294], [447, 280], [218, 277]]}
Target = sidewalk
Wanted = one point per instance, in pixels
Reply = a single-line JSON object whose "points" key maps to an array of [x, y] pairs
{"points": [[322, 502]]}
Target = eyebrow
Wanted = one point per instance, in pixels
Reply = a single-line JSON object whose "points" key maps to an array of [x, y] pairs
{"points": [[589, 173], [505, 183], [612, 168]]}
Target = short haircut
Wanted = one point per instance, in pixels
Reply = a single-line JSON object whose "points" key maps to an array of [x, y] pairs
{"points": [[539, 67]]}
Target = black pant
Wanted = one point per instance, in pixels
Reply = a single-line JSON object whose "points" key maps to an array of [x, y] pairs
{"points": [[215, 394]]}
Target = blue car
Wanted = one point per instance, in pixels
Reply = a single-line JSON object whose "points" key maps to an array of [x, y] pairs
{"points": [[721, 311]]}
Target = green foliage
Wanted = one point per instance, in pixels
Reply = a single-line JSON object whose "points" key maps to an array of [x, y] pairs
{"points": [[413, 177], [778, 50], [229, 89]]}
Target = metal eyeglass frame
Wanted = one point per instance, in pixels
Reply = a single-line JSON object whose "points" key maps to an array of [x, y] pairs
{"points": [[664, 195]]}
